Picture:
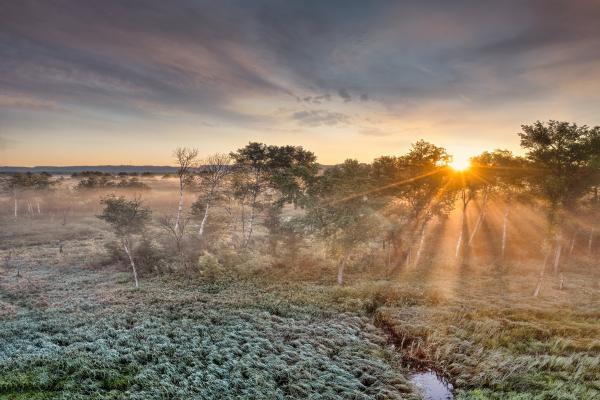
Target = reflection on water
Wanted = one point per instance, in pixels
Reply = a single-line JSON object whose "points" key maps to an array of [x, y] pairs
{"points": [[432, 386]]}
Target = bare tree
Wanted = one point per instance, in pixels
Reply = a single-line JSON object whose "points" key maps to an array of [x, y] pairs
{"points": [[186, 161], [167, 224], [215, 170]]}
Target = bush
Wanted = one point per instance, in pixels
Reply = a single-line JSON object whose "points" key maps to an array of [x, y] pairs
{"points": [[147, 256], [210, 268]]}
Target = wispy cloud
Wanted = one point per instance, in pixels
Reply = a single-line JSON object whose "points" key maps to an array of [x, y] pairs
{"points": [[319, 118]]}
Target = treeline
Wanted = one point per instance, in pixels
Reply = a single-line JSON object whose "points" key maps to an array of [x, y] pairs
{"points": [[277, 200]]}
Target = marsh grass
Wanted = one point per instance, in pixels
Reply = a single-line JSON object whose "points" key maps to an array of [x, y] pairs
{"points": [[247, 326]]}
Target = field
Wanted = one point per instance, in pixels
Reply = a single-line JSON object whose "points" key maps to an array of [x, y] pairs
{"points": [[73, 326]]}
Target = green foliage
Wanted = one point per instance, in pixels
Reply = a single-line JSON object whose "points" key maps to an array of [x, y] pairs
{"points": [[108, 182], [30, 180], [125, 216], [286, 169], [566, 157], [210, 268]]}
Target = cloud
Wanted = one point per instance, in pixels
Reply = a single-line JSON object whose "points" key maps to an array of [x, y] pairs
{"points": [[320, 118], [26, 102], [343, 93], [235, 62], [374, 131]]}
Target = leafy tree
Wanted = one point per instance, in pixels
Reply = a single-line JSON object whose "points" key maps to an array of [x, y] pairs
{"points": [[127, 218], [565, 158], [285, 170], [502, 175], [416, 187], [340, 213], [26, 183]]}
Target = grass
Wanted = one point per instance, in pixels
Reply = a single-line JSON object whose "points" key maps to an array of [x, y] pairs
{"points": [[70, 330], [73, 327]]}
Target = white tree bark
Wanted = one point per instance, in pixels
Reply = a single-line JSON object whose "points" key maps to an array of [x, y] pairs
{"points": [[504, 231], [557, 256], [479, 220], [250, 222], [39, 211], [572, 246], [203, 223], [590, 241], [135, 277], [420, 248], [16, 206], [180, 207], [460, 236]]}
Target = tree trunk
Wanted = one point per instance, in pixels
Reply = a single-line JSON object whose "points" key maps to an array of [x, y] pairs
{"points": [[461, 234], [250, 222], [541, 278], [135, 277], [180, 207], [16, 206], [504, 231], [479, 220], [39, 211], [557, 255], [420, 248], [572, 246], [203, 223], [590, 241]]}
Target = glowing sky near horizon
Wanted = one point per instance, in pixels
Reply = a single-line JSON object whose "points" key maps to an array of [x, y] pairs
{"points": [[124, 82]]}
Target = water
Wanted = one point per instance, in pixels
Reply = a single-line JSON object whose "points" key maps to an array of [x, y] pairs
{"points": [[432, 386]]}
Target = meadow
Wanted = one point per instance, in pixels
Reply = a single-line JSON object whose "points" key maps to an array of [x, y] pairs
{"points": [[73, 326], [263, 274]]}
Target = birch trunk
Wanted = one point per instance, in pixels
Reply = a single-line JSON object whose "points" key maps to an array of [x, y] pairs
{"points": [[180, 207], [203, 223], [557, 256], [590, 242], [572, 246], [250, 222], [420, 248], [16, 206], [135, 277], [504, 231], [460, 236], [39, 211], [479, 220]]}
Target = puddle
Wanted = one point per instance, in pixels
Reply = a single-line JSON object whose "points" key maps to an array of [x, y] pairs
{"points": [[432, 386]]}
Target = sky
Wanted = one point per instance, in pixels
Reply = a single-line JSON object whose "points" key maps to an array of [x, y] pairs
{"points": [[125, 82]]}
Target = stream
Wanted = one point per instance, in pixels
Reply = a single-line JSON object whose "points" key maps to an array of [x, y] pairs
{"points": [[432, 386]]}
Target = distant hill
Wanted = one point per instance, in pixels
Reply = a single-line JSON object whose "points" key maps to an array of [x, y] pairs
{"points": [[113, 169]]}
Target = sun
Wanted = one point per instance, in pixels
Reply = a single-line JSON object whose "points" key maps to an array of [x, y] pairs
{"points": [[460, 163]]}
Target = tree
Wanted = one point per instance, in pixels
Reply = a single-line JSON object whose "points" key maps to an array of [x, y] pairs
{"points": [[127, 218], [28, 182], [286, 170], [340, 213], [424, 190], [186, 161], [503, 176], [564, 156], [216, 168]]}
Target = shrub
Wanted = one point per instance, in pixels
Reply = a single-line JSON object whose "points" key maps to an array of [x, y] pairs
{"points": [[210, 268]]}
